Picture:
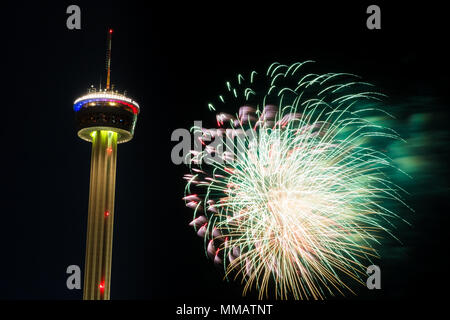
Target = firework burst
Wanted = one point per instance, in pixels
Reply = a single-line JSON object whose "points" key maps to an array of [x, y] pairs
{"points": [[291, 194]]}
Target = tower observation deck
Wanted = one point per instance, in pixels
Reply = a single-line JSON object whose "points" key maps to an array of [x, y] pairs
{"points": [[104, 118]]}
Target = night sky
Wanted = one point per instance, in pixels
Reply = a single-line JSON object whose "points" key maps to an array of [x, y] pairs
{"points": [[173, 59]]}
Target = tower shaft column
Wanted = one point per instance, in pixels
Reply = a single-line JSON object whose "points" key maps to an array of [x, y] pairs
{"points": [[97, 272]]}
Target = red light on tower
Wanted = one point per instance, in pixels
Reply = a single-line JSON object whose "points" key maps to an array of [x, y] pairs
{"points": [[110, 30]]}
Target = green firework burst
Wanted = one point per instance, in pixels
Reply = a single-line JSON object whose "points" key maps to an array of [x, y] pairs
{"points": [[292, 194]]}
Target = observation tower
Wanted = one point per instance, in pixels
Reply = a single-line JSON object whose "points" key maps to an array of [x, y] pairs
{"points": [[105, 118]]}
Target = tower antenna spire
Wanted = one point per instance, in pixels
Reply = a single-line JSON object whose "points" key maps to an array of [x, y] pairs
{"points": [[108, 57]]}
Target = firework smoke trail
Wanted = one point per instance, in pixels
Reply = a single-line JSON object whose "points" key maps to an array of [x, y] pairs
{"points": [[296, 204]]}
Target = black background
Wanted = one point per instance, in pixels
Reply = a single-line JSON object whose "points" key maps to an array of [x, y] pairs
{"points": [[173, 59]]}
